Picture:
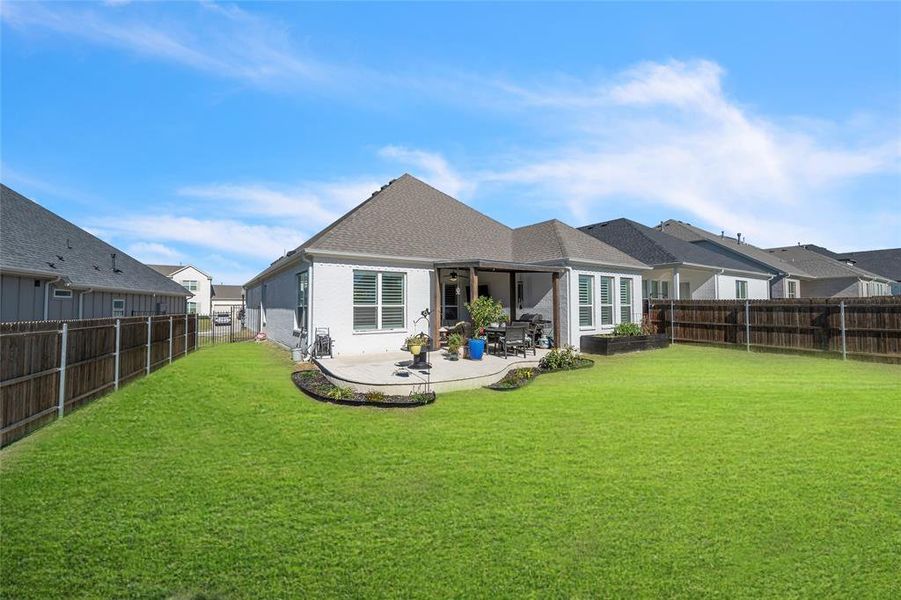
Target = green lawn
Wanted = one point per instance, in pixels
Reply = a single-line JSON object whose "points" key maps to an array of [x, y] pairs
{"points": [[682, 472]]}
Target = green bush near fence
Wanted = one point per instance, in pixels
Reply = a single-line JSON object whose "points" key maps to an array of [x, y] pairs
{"points": [[684, 472]]}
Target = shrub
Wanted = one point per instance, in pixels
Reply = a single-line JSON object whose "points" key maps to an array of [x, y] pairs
{"points": [[627, 329], [341, 393], [374, 396], [420, 397], [560, 358], [484, 311], [454, 343]]}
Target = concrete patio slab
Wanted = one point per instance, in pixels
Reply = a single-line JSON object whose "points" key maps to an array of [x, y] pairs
{"points": [[390, 374]]}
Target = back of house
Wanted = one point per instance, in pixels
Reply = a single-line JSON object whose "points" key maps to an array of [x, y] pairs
{"points": [[409, 259], [51, 269]]}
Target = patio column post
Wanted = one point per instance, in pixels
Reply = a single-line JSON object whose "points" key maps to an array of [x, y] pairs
{"points": [[555, 298], [437, 312], [473, 285], [512, 296]]}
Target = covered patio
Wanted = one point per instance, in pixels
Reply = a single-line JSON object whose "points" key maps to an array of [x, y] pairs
{"points": [[520, 287], [388, 372]]}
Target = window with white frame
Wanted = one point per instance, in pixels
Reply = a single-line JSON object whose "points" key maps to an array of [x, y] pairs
{"points": [[606, 300], [192, 308], [303, 288], [586, 301], [62, 294], [378, 298], [625, 300], [190, 284], [791, 289], [118, 307], [741, 289]]}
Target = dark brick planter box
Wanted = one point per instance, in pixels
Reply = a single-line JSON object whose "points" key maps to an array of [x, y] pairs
{"points": [[609, 345]]}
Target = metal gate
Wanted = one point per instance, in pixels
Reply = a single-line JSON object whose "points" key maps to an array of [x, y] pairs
{"points": [[224, 325]]}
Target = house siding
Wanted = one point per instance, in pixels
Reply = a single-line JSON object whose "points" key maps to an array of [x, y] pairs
{"points": [[23, 301], [572, 330], [270, 306], [838, 287], [332, 294]]}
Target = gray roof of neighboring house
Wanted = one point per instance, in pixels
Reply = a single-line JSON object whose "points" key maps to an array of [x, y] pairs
{"points": [[35, 241], [166, 270], [554, 241], [883, 262], [692, 233], [170, 270], [228, 292], [408, 218], [655, 248], [820, 265]]}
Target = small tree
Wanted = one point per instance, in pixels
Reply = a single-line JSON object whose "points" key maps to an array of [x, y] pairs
{"points": [[483, 311]]}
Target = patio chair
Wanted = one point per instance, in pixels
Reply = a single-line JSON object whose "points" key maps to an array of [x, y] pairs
{"points": [[514, 339], [532, 331]]}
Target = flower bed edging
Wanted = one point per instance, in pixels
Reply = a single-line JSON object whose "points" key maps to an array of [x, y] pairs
{"points": [[584, 363], [317, 386]]}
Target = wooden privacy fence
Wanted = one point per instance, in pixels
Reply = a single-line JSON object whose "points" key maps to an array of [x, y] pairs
{"points": [[864, 328], [48, 368]]}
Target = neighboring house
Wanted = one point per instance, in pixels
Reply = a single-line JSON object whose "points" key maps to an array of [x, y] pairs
{"points": [[195, 281], [51, 269], [368, 276], [227, 297], [682, 270], [831, 277], [882, 262], [789, 280]]}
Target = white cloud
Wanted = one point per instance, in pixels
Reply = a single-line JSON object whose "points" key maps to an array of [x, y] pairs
{"points": [[262, 242], [666, 135], [431, 167], [227, 41], [153, 253]]}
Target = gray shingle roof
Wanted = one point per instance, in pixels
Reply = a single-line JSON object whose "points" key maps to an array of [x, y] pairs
{"points": [[821, 266], [554, 241], [166, 270], [35, 240], [694, 234], [228, 292], [656, 248], [410, 219], [882, 262]]}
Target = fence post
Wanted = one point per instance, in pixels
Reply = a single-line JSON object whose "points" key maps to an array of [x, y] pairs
{"points": [[149, 337], [748, 325], [844, 346], [170, 340], [185, 352], [63, 348], [672, 321], [196, 330], [118, 344]]}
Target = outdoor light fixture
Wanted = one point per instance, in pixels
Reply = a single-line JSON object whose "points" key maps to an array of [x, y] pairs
{"points": [[453, 276]]}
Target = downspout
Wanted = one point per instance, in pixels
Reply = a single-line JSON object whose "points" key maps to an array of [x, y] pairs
{"points": [[769, 294], [47, 296], [309, 331], [81, 302], [716, 283]]}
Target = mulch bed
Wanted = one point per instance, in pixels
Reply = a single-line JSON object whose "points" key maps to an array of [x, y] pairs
{"points": [[517, 378], [314, 384]]}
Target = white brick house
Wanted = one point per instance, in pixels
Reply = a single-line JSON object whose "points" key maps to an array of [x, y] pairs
{"points": [[409, 247]]}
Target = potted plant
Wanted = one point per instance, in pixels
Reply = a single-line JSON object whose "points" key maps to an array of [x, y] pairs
{"points": [[483, 310], [454, 345], [414, 344]]}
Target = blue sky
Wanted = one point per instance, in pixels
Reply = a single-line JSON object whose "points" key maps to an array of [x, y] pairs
{"points": [[224, 134]]}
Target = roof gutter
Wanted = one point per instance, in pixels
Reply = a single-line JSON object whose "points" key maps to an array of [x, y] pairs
{"points": [[711, 268]]}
